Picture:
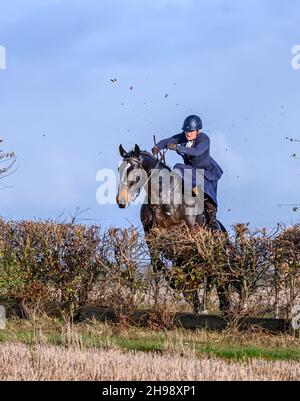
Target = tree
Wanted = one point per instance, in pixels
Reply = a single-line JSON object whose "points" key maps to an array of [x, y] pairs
{"points": [[295, 206], [7, 161]]}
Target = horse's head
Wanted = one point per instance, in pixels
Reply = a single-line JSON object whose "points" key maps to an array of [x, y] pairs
{"points": [[130, 176]]}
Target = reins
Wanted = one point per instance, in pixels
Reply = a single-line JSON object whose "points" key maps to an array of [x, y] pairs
{"points": [[154, 209], [160, 159]]}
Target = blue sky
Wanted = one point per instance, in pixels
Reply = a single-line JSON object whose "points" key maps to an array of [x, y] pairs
{"points": [[61, 114]]}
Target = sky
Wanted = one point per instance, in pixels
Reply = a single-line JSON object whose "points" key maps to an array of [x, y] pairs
{"points": [[229, 62]]}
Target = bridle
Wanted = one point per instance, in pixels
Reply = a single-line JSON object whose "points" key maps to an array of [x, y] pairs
{"points": [[140, 162]]}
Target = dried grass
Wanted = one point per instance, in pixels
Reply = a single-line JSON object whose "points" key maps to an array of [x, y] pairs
{"points": [[21, 362]]}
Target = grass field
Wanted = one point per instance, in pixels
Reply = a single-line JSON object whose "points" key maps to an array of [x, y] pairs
{"points": [[49, 349], [42, 362]]}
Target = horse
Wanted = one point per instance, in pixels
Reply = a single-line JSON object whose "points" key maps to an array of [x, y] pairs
{"points": [[159, 215]]}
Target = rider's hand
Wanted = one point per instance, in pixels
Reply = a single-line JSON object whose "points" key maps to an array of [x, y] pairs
{"points": [[155, 150], [172, 146]]}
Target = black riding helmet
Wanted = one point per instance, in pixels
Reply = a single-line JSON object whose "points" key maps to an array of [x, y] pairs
{"points": [[192, 123]]}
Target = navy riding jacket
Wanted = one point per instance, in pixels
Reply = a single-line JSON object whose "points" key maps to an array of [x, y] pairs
{"points": [[198, 156]]}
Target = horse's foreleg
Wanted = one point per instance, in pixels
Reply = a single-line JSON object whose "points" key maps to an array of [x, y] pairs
{"points": [[207, 293], [158, 268], [223, 294], [192, 297]]}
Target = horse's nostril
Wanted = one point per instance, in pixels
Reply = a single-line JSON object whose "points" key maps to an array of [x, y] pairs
{"points": [[122, 203]]}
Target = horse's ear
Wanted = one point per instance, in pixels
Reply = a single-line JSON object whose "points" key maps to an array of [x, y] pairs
{"points": [[122, 151], [137, 150]]}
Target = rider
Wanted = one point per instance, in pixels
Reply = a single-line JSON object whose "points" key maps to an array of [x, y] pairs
{"points": [[194, 146]]}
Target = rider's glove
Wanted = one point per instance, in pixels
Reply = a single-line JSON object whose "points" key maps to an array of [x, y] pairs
{"points": [[172, 146], [155, 150]]}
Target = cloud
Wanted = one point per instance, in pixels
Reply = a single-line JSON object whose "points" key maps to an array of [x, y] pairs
{"points": [[232, 161]]}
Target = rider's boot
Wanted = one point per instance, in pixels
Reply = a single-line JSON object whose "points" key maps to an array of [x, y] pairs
{"points": [[211, 210]]}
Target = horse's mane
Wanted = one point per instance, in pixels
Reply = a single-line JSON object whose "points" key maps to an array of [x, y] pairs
{"points": [[145, 153]]}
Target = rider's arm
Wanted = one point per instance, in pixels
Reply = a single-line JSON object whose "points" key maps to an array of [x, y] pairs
{"points": [[201, 147], [174, 139]]}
